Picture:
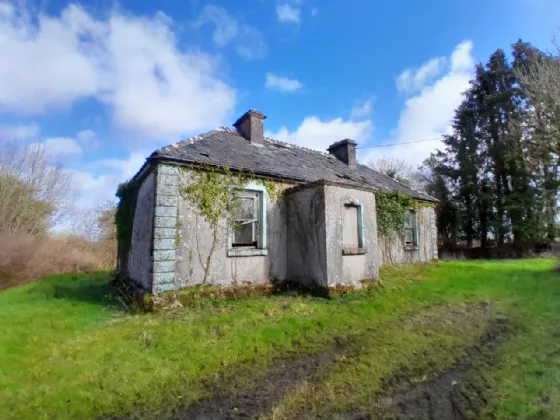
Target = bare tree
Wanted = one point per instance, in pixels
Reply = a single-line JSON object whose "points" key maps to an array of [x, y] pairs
{"points": [[35, 192], [393, 168]]}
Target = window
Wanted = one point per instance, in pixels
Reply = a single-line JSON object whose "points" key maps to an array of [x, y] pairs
{"points": [[410, 230], [248, 220], [352, 233]]}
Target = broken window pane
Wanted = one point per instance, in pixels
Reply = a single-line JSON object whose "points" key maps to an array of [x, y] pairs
{"points": [[410, 231], [243, 235], [247, 220]]}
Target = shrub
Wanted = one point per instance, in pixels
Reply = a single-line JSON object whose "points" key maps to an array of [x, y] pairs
{"points": [[24, 258]]}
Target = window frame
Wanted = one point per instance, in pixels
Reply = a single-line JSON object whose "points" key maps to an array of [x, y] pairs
{"points": [[415, 238], [261, 248], [361, 249]]}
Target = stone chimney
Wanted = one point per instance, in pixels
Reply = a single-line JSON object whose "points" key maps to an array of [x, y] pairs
{"points": [[250, 126], [345, 151]]}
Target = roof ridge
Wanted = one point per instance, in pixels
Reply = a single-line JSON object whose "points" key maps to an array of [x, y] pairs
{"points": [[295, 146]]}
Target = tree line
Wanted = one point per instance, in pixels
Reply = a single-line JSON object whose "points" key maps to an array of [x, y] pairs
{"points": [[497, 177]]}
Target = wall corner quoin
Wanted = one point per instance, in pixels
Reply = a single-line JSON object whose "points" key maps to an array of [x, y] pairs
{"points": [[166, 224]]}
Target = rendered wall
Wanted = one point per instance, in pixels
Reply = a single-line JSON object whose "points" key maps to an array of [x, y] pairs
{"points": [[307, 260], [195, 241], [350, 269], [392, 250], [140, 262]]}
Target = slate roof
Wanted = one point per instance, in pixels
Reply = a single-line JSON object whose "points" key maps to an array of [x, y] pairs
{"points": [[225, 147]]}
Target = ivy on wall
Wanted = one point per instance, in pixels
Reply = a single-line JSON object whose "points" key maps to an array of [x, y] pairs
{"points": [[391, 210], [214, 191], [127, 193]]}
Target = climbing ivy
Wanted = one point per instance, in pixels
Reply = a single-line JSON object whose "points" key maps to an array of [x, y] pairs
{"points": [[272, 188], [214, 191], [391, 210], [127, 193]]}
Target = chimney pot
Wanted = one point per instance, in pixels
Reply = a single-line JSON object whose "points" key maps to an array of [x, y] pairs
{"points": [[345, 151], [250, 126]]}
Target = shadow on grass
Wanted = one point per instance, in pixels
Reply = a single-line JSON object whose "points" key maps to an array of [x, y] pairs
{"points": [[89, 287]]}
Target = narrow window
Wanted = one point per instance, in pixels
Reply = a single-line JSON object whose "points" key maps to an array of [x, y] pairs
{"points": [[410, 230], [352, 230], [351, 235], [248, 219]]}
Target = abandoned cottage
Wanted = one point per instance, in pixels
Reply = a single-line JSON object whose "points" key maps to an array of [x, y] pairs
{"points": [[299, 215]]}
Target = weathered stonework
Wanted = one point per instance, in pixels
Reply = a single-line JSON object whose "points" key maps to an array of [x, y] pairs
{"points": [[165, 228]]}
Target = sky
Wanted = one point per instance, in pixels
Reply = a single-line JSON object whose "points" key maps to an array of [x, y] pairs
{"points": [[101, 84]]}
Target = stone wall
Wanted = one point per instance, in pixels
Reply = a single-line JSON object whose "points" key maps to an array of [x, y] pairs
{"points": [[140, 261], [392, 250]]}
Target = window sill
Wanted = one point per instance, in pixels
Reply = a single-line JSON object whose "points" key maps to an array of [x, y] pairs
{"points": [[354, 251], [411, 248], [247, 252]]}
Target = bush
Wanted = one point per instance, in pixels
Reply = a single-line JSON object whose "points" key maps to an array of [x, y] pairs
{"points": [[24, 258]]}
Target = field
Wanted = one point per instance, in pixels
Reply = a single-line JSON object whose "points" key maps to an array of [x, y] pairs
{"points": [[448, 340]]}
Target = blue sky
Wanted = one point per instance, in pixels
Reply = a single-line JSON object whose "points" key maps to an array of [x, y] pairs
{"points": [[102, 84]]}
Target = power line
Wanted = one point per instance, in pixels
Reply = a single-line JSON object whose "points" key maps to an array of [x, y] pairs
{"points": [[399, 144]]}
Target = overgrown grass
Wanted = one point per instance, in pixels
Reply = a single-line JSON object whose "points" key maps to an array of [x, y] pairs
{"points": [[68, 351]]}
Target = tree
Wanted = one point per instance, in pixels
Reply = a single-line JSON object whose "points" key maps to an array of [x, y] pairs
{"points": [[498, 174], [35, 193], [397, 169]]}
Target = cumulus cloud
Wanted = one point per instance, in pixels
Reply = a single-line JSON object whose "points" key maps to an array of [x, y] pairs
{"points": [[288, 14], [362, 110], [428, 114], [412, 80], [132, 64], [248, 41], [103, 177], [319, 135], [18, 132], [59, 146], [282, 84]]}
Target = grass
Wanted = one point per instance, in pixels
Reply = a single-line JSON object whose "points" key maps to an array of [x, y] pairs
{"points": [[67, 350]]}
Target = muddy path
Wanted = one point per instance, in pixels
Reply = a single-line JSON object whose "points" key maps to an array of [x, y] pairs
{"points": [[284, 374], [458, 393]]}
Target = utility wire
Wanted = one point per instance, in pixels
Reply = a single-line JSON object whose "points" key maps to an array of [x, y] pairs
{"points": [[398, 144]]}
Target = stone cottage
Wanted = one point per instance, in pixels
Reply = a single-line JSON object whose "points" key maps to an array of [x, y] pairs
{"points": [[321, 231]]}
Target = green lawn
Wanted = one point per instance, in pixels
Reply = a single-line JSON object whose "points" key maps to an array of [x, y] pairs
{"points": [[67, 350]]}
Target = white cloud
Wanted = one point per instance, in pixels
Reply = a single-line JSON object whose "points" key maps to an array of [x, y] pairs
{"points": [[429, 113], [412, 80], [18, 132], [314, 11], [247, 40], [61, 146], [362, 110], [101, 181], [319, 135], [283, 84], [87, 138], [288, 14], [132, 64]]}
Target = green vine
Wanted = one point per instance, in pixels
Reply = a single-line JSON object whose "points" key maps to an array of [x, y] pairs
{"points": [[272, 188], [127, 193], [214, 192], [391, 210]]}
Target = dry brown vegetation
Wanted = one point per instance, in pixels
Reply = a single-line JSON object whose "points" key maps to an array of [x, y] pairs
{"points": [[24, 258], [36, 196]]}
